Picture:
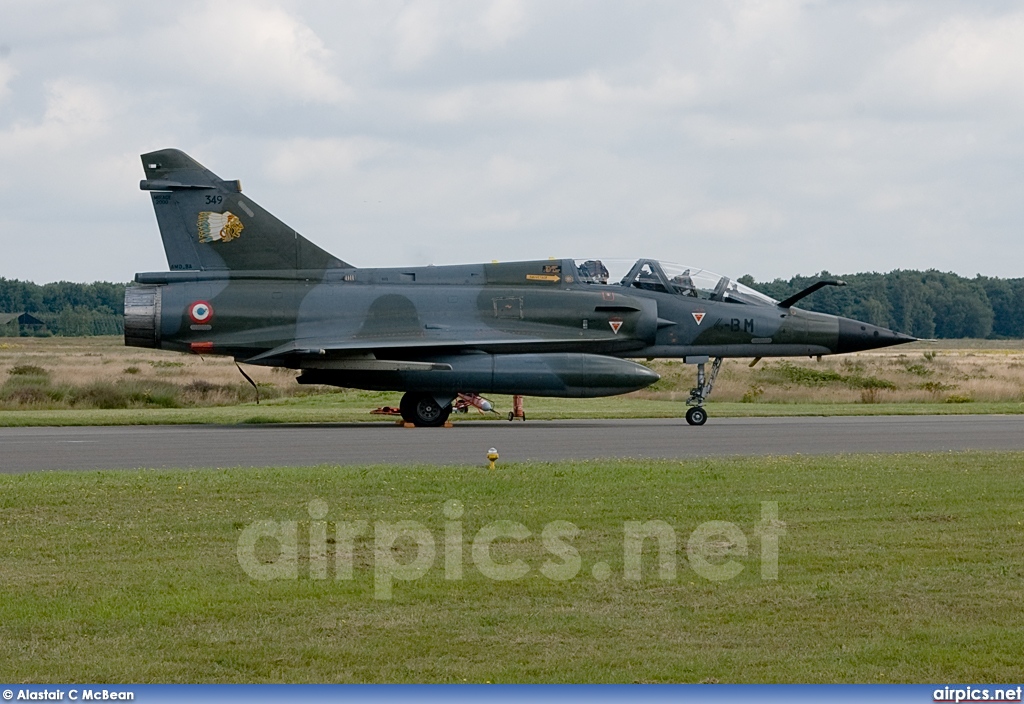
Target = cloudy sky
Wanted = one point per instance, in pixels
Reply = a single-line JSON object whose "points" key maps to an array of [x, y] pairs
{"points": [[762, 137]]}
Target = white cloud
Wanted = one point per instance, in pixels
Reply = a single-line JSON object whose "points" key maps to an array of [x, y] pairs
{"points": [[735, 221], [759, 40], [418, 31], [511, 172], [575, 98], [6, 74], [497, 23], [962, 60], [423, 27], [304, 160], [886, 14], [254, 49], [75, 113]]}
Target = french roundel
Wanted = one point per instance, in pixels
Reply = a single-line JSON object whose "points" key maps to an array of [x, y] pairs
{"points": [[200, 312]]}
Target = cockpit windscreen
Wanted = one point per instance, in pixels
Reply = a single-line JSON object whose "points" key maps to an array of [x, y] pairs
{"points": [[652, 275]]}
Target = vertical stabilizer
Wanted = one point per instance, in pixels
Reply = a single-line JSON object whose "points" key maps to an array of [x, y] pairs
{"points": [[206, 222]]}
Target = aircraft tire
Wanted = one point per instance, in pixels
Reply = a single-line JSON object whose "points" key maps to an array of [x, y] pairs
{"points": [[406, 409], [423, 411], [696, 415]]}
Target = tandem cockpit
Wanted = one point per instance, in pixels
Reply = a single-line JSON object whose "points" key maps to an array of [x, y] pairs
{"points": [[664, 277]]}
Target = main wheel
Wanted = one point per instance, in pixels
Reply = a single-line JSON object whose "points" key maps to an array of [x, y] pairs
{"points": [[406, 409], [423, 411], [696, 415]]}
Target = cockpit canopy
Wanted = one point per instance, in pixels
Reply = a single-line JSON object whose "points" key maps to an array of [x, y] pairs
{"points": [[652, 275]]}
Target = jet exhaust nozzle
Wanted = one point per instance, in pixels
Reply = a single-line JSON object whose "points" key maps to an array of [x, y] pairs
{"points": [[142, 308]]}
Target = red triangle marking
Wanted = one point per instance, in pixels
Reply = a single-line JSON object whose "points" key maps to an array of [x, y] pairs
{"points": [[698, 317], [616, 324]]}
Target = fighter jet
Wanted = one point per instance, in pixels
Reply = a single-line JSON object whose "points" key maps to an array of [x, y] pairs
{"points": [[245, 285]]}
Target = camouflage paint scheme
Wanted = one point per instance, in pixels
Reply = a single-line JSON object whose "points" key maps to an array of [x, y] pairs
{"points": [[244, 284]]}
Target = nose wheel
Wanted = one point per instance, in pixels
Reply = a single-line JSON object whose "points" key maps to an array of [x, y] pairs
{"points": [[696, 415]]}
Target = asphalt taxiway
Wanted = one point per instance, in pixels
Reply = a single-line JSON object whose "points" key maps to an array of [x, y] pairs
{"points": [[197, 446]]}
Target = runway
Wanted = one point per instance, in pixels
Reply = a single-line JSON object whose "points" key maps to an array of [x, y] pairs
{"points": [[200, 446]]}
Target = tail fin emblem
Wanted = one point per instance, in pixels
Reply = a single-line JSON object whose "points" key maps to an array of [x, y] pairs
{"points": [[219, 227]]}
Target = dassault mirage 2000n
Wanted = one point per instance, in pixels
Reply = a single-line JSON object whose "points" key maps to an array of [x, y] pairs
{"points": [[245, 285]]}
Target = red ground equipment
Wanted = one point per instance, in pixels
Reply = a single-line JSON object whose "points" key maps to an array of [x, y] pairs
{"points": [[517, 409], [463, 402]]}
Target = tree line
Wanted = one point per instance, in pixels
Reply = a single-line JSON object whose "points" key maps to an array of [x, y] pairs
{"points": [[66, 308], [927, 304], [920, 303]]}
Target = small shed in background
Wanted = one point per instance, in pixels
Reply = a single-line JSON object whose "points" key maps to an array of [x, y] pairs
{"points": [[17, 324]]}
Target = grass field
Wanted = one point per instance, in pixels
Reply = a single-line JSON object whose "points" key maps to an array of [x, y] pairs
{"points": [[92, 381], [902, 568]]}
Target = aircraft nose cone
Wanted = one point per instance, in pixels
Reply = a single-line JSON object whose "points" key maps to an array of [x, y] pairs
{"points": [[856, 336]]}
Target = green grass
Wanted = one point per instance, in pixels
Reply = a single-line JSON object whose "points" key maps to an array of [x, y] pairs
{"points": [[898, 568], [87, 381], [355, 408]]}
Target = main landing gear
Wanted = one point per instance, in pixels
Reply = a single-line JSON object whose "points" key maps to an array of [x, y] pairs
{"points": [[696, 414], [426, 410], [423, 410]]}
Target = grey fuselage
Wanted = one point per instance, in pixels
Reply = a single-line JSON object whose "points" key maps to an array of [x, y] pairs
{"points": [[521, 327]]}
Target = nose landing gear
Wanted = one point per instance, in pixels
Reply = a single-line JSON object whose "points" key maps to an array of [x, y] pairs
{"points": [[696, 414]]}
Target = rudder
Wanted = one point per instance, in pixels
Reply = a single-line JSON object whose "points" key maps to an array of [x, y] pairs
{"points": [[206, 223]]}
